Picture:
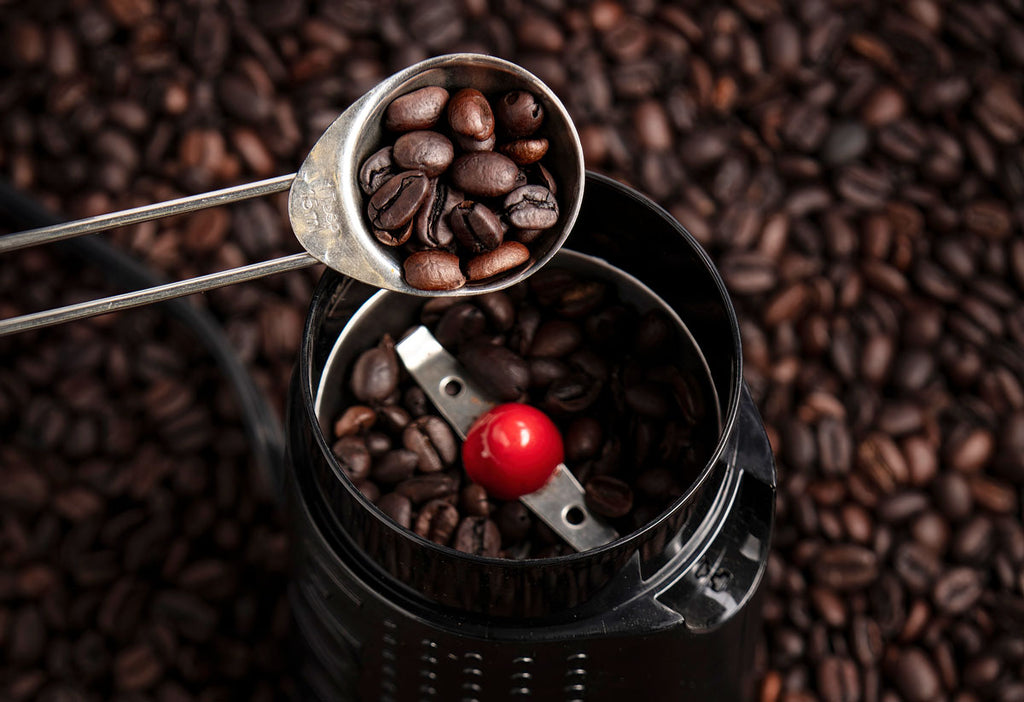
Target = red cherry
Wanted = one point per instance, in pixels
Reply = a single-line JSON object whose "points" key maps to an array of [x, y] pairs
{"points": [[512, 450]]}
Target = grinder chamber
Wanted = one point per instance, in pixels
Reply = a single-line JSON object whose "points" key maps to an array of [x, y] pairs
{"points": [[665, 611]]}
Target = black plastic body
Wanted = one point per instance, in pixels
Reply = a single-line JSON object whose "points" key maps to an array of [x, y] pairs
{"points": [[668, 612]]}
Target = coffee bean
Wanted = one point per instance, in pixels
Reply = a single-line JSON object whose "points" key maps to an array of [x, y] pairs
{"points": [[422, 488], [398, 507], [499, 309], [473, 500], [355, 420], [376, 170], [838, 680], [425, 151], [437, 521], [498, 370], [525, 151], [352, 456], [431, 222], [484, 174], [469, 114], [375, 373], [506, 257], [434, 270], [419, 109], [394, 466], [460, 323], [915, 676], [478, 536], [431, 439], [846, 567], [957, 590], [531, 207], [396, 201], [519, 114], [608, 496], [476, 226]]}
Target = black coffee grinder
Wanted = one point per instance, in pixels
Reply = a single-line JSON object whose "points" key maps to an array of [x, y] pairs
{"points": [[668, 612]]}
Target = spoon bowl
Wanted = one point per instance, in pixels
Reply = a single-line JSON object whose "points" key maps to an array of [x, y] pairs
{"points": [[327, 208]]}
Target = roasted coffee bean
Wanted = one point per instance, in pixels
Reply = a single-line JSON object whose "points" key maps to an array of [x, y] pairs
{"points": [[497, 369], [506, 257], [437, 521], [525, 151], [478, 536], [393, 417], [419, 109], [394, 466], [583, 439], [916, 676], [556, 338], [473, 500], [957, 591], [396, 201], [352, 456], [398, 507], [531, 207], [375, 373], [475, 226], [470, 115], [355, 420], [425, 151], [572, 394], [608, 496], [434, 270], [421, 488], [459, 324], [394, 238], [499, 309], [846, 567], [484, 174], [431, 439], [518, 113], [544, 371], [430, 225], [376, 170], [514, 521]]}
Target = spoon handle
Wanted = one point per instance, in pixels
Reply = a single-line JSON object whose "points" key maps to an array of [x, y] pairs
{"points": [[145, 213], [147, 296]]}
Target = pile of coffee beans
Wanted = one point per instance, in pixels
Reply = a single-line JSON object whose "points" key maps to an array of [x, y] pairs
{"points": [[854, 169], [637, 428], [462, 188]]}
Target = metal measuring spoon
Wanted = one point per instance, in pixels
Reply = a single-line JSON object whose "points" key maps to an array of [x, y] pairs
{"points": [[326, 207]]}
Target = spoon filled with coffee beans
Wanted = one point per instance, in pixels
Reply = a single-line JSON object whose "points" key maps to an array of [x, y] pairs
{"points": [[459, 175]]}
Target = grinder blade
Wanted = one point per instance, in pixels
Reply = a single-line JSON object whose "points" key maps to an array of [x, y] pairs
{"points": [[460, 400]]}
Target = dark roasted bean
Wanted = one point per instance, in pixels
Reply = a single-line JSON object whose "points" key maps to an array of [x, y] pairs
{"points": [[485, 174], [398, 507], [396, 201], [434, 270], [425, 151], [506, 257], [431, 439], [608, 496], [470, 115], [531, 207], [518, 113], [475, 226], [419, 109], [478, 536]]}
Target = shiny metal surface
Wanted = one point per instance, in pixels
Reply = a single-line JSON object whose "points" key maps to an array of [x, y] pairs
{"points": [[560, 503], [145, 213], [160, 293], [325, 204]]}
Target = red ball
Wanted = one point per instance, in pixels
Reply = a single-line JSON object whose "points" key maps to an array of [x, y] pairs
{"points": [[512, 450]]}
